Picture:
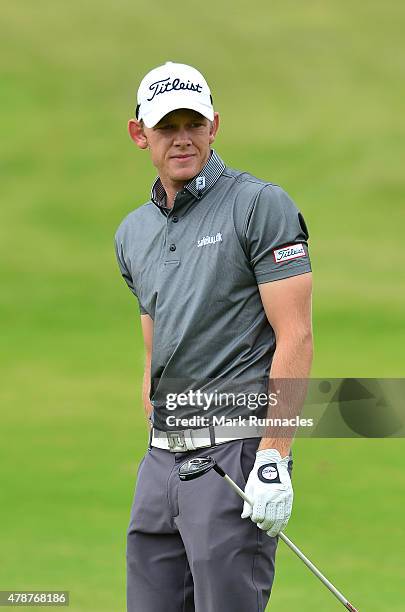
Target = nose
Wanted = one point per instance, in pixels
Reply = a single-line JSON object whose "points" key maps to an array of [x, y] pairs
{"points": [[182, 137]]}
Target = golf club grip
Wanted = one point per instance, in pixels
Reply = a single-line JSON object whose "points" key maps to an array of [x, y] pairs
{"points": [[298, 552]]}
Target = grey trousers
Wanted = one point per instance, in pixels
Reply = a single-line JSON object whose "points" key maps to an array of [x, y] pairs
{"points": [[188, 550]]}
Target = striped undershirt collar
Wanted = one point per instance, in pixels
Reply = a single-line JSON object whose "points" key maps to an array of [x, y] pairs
{"points": [[198, 186]]}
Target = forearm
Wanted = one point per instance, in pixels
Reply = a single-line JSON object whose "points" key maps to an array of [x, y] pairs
{"points": [[289, 372], [148, 408]]}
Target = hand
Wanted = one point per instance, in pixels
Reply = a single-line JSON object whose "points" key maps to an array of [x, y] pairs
{"points": [[269, 488]]}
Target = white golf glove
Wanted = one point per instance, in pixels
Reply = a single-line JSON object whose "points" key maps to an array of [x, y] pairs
{"points": [[269, 488]]}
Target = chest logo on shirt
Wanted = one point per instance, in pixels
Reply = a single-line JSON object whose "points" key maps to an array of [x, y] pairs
{"points": [[293, 251], [210, 240]]}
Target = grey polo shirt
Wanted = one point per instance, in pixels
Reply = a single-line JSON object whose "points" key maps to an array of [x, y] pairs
{"points": [[195, 269]]}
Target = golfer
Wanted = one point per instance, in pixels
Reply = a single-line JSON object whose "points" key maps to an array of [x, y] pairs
{"points": [[218, 261]]}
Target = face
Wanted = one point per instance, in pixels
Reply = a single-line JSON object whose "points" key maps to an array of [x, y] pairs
{"points": [[179, 144]]}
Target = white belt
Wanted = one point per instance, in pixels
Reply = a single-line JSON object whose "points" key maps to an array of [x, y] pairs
{"points": [[193, 439]]}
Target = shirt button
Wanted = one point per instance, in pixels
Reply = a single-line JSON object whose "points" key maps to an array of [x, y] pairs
{"points": [[172, 247], [175, 219]]}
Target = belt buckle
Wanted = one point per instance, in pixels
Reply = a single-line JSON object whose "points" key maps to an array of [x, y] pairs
{"points": [[176, 440]]}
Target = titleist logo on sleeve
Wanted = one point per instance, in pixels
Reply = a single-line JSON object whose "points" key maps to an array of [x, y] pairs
{"points": [[291, 251], [165, 85]]}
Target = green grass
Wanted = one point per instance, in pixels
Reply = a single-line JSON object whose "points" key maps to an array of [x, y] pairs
{"points": [[311, 97]]}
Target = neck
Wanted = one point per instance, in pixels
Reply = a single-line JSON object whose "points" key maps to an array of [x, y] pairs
{"points": [[171, 190]]}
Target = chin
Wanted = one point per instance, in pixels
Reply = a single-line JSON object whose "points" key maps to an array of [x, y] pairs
{"points": [[185, 172], [184, 175]]}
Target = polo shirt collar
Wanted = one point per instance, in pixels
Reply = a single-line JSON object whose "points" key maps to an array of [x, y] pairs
{"points": [[198, 186]]}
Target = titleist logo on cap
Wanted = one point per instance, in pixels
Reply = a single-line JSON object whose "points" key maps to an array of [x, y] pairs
{"points": [[185, 88], [165, 85]]}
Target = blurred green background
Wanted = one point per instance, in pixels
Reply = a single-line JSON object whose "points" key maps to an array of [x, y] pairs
{"points": [[311, 97]]}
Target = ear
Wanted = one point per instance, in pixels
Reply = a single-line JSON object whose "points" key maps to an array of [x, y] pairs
{"points": [[137, 134], [214, 127]]}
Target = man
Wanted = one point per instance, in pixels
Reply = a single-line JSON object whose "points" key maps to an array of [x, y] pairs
{"points": [[218, 261]]}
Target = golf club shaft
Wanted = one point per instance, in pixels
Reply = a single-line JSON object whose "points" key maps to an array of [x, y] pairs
{"points": [[297, 551]]}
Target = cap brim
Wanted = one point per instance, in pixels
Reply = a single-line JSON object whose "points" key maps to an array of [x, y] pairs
{"points": [[152, 118]]}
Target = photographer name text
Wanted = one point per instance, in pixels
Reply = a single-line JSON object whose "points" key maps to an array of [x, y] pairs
{"points": [[249, 421]]}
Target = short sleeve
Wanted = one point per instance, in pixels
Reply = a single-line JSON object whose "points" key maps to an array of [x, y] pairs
{"points": [[125, 272], [276, 236]]}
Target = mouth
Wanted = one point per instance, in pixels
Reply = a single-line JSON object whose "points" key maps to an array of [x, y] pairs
{"points": [[183, 157]]}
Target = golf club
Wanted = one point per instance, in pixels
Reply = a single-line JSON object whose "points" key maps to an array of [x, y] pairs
{"points": [[198, 466]]}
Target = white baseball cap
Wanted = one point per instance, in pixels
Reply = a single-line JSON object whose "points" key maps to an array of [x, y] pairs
{"points": [[169, 87]]}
